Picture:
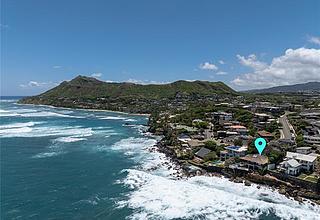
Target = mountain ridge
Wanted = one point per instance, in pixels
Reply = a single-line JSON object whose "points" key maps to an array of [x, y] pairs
{"points": [[89, 92], [301, 87]]}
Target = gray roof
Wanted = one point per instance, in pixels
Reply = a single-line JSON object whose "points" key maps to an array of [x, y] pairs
{"points": [[203, 152], [293, 163]]}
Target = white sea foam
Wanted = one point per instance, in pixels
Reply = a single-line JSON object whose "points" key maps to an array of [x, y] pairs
{"points": [[19, 125], [201, 197], [42, 131], [130, 120], [131, 146], [36, 113], [156, 194], [113, 118], [48, 154], [69, 139]]}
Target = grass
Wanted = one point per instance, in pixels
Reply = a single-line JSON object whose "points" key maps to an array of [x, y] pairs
{"points": [[310, 178]]}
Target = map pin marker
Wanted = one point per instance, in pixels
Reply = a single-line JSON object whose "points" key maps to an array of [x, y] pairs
{"points": [[260, 144]]}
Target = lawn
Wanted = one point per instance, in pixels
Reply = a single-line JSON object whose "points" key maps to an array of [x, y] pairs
{"points": [[310, 178]]}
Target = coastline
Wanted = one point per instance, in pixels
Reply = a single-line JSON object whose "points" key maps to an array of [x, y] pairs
{"points": [[87, 109], [290, 191], [182, 172]]}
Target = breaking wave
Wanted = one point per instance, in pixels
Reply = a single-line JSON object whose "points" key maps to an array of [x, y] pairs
{"points": [[158, 194], [202, 197]]}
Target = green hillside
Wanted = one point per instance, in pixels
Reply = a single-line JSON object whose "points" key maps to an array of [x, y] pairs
{"points": [[88, 92], [87, 87]]}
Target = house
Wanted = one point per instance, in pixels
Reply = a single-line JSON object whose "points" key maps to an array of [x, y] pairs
{"points": [[291, 167], [266, 135], [221, 117], [304, 150], [242, 130], [312, 139], [193, 143], [202, 153], [233, 151], [307, 161], [255, 161], [184, 138]]}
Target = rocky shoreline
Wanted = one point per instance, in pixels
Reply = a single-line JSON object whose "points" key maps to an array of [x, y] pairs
{"points": [[285, 188]]}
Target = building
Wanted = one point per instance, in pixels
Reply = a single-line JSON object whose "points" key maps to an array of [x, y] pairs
{"points": [[233, 151], [307, 161], [304, 150], [266, 135], [242, 130], [202, 153], [221, 117], [184, 138], [255, 161], [291, 167], [311, 139]]}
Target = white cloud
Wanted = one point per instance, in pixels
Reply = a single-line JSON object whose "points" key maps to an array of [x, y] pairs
{"points": [[34, 84], [221, 62], [221, 73], [208, 66], [144, 82], [314, 40], [57, 67], [96, 75], [251, 61], [295, 66]]}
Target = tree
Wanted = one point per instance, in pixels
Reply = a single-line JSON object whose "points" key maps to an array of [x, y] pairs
{"points": [[212, 145], [211, 156], [237, 142]]}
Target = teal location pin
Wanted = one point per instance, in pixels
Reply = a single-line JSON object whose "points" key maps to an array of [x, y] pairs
{"points": [[260, 144]]}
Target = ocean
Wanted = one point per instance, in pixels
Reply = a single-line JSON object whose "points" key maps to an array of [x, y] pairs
{"points": [[60, 163]]}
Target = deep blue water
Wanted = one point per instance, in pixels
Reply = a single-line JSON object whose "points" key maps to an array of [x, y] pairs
{"points": [[75, 164]]}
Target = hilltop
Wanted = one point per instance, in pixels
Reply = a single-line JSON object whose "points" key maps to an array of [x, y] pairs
{"points": [[303, 87], [88, 92]]}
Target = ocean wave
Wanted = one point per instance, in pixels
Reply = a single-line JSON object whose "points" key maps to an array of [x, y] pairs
{"points": [[48, 154], [133, 145], [8, 100], [20, 125], [113, 118], [70, 139], [202, 197], [42, 131], [35, 113]]}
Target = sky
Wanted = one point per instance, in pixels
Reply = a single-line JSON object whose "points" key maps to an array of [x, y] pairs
{"points": [[246, 44]]}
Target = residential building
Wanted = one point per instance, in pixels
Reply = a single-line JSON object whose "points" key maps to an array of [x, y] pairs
{"points": [[307, 161], [202, 153], [311, 139], [291, 167], [266, 135], [233, 151], [304, 150], [255, 161]]}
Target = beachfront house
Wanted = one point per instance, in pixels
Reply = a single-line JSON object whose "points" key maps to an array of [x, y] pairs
{"points": [[202, 153], [255, 161], [233, 151], [291, 167], [307, 161]]}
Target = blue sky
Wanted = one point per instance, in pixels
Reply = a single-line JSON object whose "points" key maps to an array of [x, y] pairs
{"points": [[246, 44]]}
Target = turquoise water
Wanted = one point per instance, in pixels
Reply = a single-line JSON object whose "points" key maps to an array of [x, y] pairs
{"points": [[76, 164]]}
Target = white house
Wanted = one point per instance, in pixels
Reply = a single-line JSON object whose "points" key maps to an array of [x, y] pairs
{"points": [[291, 167], [304, 150], [233, 151], [307, 161]]}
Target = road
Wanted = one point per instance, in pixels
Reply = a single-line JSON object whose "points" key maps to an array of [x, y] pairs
{"points": [[286, 127]]}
